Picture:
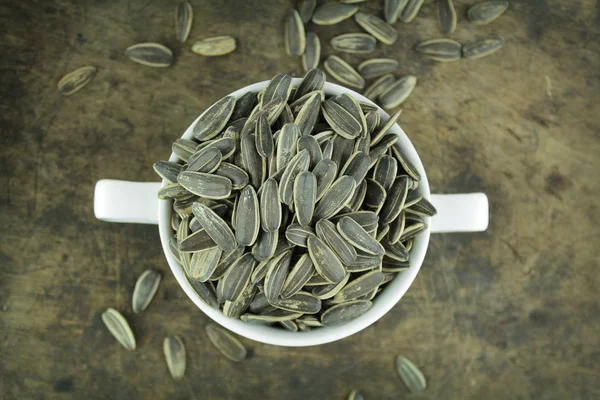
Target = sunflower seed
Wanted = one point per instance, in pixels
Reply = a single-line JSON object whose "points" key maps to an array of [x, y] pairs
{"points": [[350, 104], [398, 92], [328, 291], [413, 230], [184, 15], [197, 241], [364, 262], [312, 52], [226, 145], [298, 235], [117, 325], [150, 54], [411, 10], [442, 50], [341, 314], [297, 165], [482, 48], [301, 302], [74, 81], [172, 191], [413, 197], [392, 10], [306, 8], [486, 12], [355, 43], [396, 228], [289, 325], [342, 149], [302, 271], [264, 137], [308, 114], [310, 320], [205, 185], [214, 46], [260, 272], [247, 217], [214, 119], [270, 207], [385, 171], [275, 315], [265, 246], [324, 259], [174, 350], [355, 203], [184, 148], [405, 163], [411, 375], [238, 177], [255, 165], [260, 304], [277, 273], [343, 72], [295, 39], [167, 170], [377, 27], [305, 190], [446, 16], [325, 172], [379, 86], [357, 166], [227, 259], [205, 291], [377, 67], [215, 227], [327, 232], [376, 195], [317, 280], [332, 13], [278, 89], [362, 144], [244, 106], [355, 395], [234, 309], [423, 207], [227, 344], [237, 277], [335, 197], [395, 200], [359, 287], [356, 235], [286, 148], [204, 263], [340, 120], [205, 160]]}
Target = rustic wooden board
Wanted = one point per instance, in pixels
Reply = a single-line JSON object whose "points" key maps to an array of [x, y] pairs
{"points": [[510, 313]]}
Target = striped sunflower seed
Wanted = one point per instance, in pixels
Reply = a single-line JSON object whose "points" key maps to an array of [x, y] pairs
{"points": [[172, 191], [487, 11], [356, 201], [247, 217], [413, 230], [277, 273], [289, 325], [398, 92], [197, 241], [412, 197], [306, 8], [297, 165], [412, 377], [394, 202], [226, 343], [174, 351], [340, 120], [300, 273], [205, 160], [309, 114], [244, 106], [342, 149], [377, 67], [117, 325], [184, 16], [367, 219], [204, 263], [301, 302], [327, 232], [442, 50], [355, 234], [392, 10], [226, 145], [278, 89], [325, 172], [313, 80], [215, 227], [359, 287], [76, 80], [237, 277], [355, 43], [295, 39], [357, 166], [310, 320], [214, 46], [305, 191], [385, 171], [355, 395], [406, 164], [275, 315], [343, 72], [205, 185], [411, 10], [332, 13], [264, 137], [265, 246], [150, 54], [335, 197], [378, 87], [350, 104], [377, 27], [238, 177], [205, 291], [364, 262], [423, 208], [254, 164], [394, 266], [286, 146], [328, 291], [213, 120], [385, 129], [235, 309], [167, 170], [312, 52], [270, 207], [341, 314], [396, 251], [375, 196], [446, 16], [311, 145], [396, 228], [362, 143], [298, 234], [260, 304], [325, 261], [482, 48]]}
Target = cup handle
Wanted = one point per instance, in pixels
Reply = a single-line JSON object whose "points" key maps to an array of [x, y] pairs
{"points": [[123, 201], [467, 212]]}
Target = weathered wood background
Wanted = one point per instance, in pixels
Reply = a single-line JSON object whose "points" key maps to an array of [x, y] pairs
{"points": [[512, 313]]}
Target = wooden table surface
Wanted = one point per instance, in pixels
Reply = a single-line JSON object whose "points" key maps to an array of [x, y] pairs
{"points": [[512, 313]]}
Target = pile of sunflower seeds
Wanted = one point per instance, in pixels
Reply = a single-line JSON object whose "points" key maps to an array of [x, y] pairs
{"points": [[388, 91], [291, 206]]}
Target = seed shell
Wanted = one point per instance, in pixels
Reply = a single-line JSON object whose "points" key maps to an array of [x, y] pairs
{"points": [[442, 50], [117, 325], [358, 237], [214, 46], [215, 227], [376, 67], [237, 277], [214, 119], [411, 10], [378, 87], [325, 261]]}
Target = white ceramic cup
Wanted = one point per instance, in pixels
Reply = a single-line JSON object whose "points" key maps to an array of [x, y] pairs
{"points": [[136, 202]]}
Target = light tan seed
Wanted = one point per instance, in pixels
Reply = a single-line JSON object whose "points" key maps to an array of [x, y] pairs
{"points": [[76, 80], [306, 8], [301, 302], [398, 92], [214, 46], [205, 185], [184, 16], [446, 16], [327, 232], [406, 164], [487, 11], [174, 351], [277, 273], [325, 172], [309, 114], [264, 137], [334, 198], [234, 309], [205, 291], [286, 148], [312, 53], [237, 277], [340, 120], [238, 177], [343, 72], [411, 10], [325, 261], [215, 227], [300, 273], [355, 43], [412, 377], [167, 170], [305, 192], [295, 39], [298, 234], [357, 166], [377, 67], [332, 13], [392, 10], [297, 165], [394, 202], [254, 164], [227, 344], [341, 314], [117, 325], [205, 160], [378, 87], [358, 237], [213, 120], [482, 48], [150, 54], [359, 287], [204, 263], [313, 80], [377, 27], [443, 50]]}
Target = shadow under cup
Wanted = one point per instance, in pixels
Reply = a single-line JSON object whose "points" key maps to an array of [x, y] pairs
{"points": [[382, 303]]}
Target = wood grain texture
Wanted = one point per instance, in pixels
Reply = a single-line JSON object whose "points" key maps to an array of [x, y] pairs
{"points": [[510, 313]]}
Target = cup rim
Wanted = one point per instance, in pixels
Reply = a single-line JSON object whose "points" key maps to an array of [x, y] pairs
{"points": [[278, 336]]}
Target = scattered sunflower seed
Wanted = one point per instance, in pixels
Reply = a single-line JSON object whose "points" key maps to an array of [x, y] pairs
{"points": [[117, 325], [487, 11], [377, 67], [411, 375], [174, 350], [332, 13], [343, 72], [184, 15], [398, 92], [482, 48], [377, 27], [306, 8], [446, 16], [440, 49], [295, 38], [392, 10], [74, 81], [378, 87], [226, 343], [356, 43], [410, 10], [150, 54], [145, 289], [214, 46]]}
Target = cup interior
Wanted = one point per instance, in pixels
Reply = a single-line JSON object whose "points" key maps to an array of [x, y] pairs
{"points": [[382, 303]]}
